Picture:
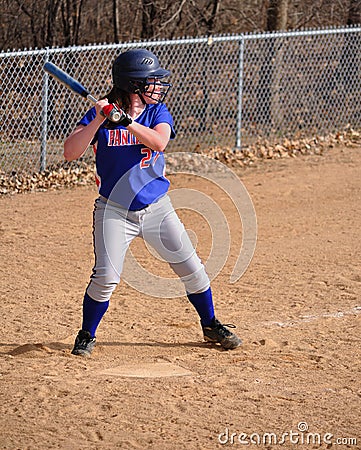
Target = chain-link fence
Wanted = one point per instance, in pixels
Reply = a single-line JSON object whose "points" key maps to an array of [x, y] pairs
{"points": [[228, 91]]}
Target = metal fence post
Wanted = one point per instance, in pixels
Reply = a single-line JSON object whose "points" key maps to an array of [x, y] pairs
{"points": [[44, 115], [240, 95]]}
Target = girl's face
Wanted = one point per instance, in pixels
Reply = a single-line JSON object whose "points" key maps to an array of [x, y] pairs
{"points": [[155, 90]]}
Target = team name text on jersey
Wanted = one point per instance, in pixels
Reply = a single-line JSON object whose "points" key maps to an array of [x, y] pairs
{"points": [[118, 137]]}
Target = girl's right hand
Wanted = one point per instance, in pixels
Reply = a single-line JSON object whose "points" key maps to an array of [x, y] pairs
{"points": [[99, 105]]}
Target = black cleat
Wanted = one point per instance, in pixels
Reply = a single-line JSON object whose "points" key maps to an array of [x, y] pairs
{"points": [[218, 333], [84, 344]]}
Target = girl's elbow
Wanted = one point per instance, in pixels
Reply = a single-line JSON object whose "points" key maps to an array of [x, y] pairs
{"points": [[68, 154], [67, 157], [162, 146]]}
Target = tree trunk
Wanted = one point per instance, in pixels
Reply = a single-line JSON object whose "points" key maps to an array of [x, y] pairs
{"points": [[266, 100], [210, 23], [354, 13], [116, 21], [49, 26], [148, 17], [71, 18], [277, 15], [349, 63], [32, 15]]}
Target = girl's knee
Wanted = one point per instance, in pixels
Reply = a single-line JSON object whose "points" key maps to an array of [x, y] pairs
{"points": [[197, 281]]}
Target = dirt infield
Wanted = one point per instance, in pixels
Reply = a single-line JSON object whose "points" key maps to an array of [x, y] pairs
{"points": [[152, 383]]}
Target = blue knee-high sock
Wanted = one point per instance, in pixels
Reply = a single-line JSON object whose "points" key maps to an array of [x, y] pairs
{"points": [[92, 314], [203, 304]]}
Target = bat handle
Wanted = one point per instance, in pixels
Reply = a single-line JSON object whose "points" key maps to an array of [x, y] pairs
{"points": [[114, 115], [94, 100], [91, 98]]}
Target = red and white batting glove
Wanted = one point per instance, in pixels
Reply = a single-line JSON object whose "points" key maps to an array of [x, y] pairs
{"points": [[116, 115]]}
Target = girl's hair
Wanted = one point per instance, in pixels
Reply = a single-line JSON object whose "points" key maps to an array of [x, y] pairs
{"points": [[120, 97]]}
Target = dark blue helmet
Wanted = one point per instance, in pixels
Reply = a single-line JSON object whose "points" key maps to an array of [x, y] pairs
{"points": [[138, 71]]}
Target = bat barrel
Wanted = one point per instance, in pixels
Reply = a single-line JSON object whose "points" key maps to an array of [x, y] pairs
{"points": [[66, 79]]}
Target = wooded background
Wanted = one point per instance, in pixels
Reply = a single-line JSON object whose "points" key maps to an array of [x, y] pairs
{"points": [[63, 23]]}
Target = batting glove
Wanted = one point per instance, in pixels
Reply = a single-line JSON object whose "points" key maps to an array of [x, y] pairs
{"points": [[116, 115]]}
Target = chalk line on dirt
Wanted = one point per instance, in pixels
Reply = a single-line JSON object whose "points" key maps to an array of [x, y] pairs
{"points": [[313, 317]]}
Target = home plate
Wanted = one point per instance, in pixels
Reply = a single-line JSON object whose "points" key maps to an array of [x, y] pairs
{"points": [[147, 370]]}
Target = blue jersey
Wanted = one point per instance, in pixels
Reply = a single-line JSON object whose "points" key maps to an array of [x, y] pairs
{"points": [[128, 172]]}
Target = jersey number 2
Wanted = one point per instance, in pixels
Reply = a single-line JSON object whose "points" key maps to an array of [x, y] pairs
{"points": [[145, 162]]}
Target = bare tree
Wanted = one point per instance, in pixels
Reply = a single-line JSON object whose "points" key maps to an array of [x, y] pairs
{"points": [[31, 13], [148, 19], [354, 13], [48, 29], [116, 21], [276, 20], [207, 14], [37, 22], [71, 19], [172, 23], [277, 15], [349, 65], [40, 23]]}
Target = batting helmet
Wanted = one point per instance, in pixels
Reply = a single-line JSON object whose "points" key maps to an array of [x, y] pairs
{"points": [[132, 71]]}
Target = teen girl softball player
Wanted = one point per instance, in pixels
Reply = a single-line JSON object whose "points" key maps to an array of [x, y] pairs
{"points": [[133, 198]]}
